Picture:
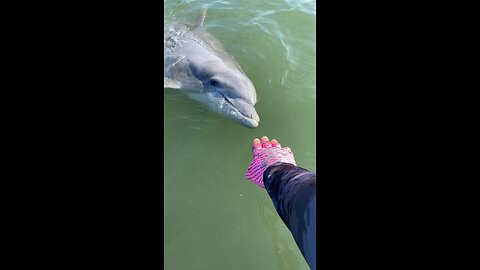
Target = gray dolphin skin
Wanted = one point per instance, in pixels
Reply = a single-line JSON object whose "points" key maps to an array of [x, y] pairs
{"points": [[197, 64]]}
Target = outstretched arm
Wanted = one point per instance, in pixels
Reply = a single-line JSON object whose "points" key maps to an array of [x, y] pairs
{"points": [[292, 190], [293, 193]]}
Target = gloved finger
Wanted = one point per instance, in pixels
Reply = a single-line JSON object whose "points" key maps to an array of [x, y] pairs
{"points": [[256, 144], [288, 149], [265, 142], [275, 143]]}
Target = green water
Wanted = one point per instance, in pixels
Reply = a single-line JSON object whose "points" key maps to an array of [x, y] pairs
{"points": [[214, 218]]}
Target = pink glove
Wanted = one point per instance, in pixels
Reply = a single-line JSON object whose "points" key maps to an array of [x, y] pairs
{"points": [[264, 155]]}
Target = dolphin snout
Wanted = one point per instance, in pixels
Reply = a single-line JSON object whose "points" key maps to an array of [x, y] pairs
{"points": [[250, 116], [254, 115]]}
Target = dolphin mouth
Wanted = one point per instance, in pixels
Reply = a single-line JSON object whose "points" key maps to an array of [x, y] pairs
{"points": [[250, 121], [237, 110], [245, 113]]}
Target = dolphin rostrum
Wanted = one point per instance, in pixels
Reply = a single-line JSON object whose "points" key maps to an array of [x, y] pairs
{"points": [[198, 65]]}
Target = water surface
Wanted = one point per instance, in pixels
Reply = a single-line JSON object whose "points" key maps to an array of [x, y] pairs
{"points": [[214, 218]]}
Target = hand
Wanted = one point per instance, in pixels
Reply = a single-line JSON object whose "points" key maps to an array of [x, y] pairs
{"points": [[265, 154]]}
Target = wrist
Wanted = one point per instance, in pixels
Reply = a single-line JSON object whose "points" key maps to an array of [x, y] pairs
{"points": [[271, 170]]}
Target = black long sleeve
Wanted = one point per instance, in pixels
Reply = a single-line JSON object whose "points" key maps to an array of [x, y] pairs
{"points": [[293, 193]]}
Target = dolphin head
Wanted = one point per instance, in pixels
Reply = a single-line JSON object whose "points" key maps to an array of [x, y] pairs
{"points": [[228, 92], [236, 96], [197, 63]]}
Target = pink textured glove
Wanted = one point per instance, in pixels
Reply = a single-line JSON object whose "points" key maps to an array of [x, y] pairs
{"points": [[264, 155]]}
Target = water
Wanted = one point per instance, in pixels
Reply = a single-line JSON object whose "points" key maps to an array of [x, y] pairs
{"points": [[214, 218]]}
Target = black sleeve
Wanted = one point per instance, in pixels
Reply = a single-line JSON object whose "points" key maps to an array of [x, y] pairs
{"points": [[293, 192]]}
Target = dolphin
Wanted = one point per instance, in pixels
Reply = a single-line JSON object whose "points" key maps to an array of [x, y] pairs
{"points": [[197, 64]]}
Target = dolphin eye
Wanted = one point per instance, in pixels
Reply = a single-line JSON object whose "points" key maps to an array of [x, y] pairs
{"points": [[213, 82]]}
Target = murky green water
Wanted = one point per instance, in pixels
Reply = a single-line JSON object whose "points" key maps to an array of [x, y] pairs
{"points": [[214, 218]]}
